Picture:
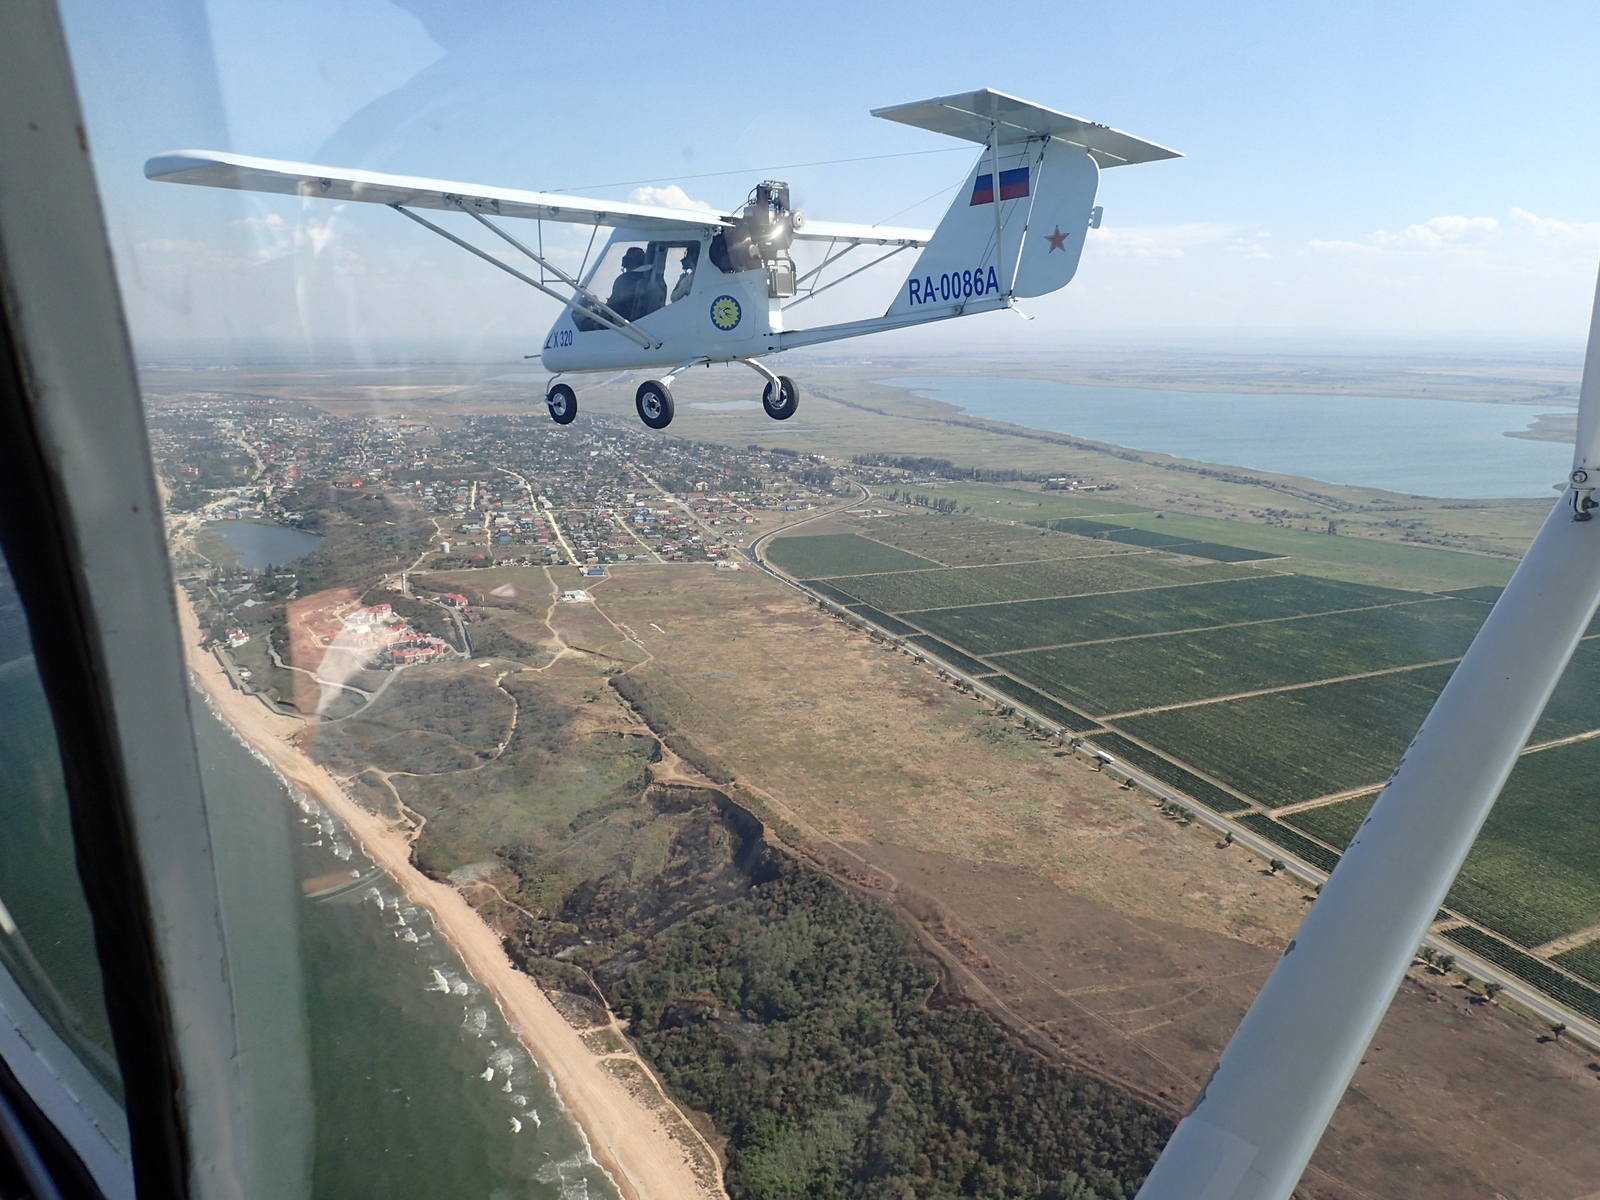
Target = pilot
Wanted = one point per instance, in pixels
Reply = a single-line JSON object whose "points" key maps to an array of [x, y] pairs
{"points": [[691, 256], [630, 294]]}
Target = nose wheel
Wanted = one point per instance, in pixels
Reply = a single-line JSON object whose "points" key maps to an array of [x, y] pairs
{"points": [[563, 402], [781, 401], [654, 403]]}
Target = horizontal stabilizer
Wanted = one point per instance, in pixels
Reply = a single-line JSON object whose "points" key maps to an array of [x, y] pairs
{"points": [[210, 168], [972, 115]]}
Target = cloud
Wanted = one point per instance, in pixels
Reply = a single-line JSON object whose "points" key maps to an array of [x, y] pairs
{"points": [[1437, 233], [1355, 249], [1155, 241], [671, 196], [1251, 249], [1562, 232]]}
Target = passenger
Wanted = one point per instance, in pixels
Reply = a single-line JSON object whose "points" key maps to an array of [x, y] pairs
{"points": [[691, 256]]}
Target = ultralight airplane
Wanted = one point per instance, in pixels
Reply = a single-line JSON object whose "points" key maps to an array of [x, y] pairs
{"points": [[678, 288]]}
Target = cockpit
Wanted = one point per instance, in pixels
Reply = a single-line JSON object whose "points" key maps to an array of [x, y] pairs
{"points": [[642, 277]]}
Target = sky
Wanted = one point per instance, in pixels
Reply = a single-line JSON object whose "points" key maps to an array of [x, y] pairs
{"points": [[1358, 172]]}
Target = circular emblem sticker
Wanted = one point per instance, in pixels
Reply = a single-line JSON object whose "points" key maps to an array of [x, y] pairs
{"points": [[725, 313]]}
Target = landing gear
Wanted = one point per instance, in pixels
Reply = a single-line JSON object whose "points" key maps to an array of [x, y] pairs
{"points": [[781, 401], [654, 403], [563, 402]]}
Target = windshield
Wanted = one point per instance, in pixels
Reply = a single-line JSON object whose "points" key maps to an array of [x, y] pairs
{"points": [[750, 759]]}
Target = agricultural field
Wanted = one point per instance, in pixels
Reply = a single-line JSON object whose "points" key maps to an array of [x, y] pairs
{"points": [[1334, 823], [1294, 843], [1130, 536], [1536, 971], [913, 591], [1293, 746], [962, 662], [1150, 672], [958, 541], [1047, 708], [1169, 772], [1585, 961], [826, 554], [1283, 681], [1006, 628], [1532, 874], [883, 620]]}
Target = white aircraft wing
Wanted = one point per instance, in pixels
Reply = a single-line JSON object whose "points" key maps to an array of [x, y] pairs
{"points": [[865, 235], [210, 168], [972, 116]]}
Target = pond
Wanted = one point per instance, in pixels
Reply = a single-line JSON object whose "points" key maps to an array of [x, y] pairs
{"points": [[265, 545]]}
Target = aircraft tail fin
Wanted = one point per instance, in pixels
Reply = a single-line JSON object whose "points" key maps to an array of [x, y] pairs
{"points": [[1048, 167], [1045, 194]]}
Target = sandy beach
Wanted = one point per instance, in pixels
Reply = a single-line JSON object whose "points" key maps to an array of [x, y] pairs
{"points": [[627, 1138]]}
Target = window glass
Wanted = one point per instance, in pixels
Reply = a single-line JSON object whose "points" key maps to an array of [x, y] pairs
{"points": [[636, 279], [46, 935]]}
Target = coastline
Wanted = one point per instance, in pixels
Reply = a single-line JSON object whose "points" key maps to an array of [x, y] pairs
{"points": [[624, 1134]]}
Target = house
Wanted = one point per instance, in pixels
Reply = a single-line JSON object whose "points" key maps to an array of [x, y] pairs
{"points": [[236, 637], [575, 595]]}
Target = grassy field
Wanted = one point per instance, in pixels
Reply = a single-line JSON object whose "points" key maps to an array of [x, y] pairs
{"points": [[1122, 677], [1002, 628], [912, 591], [839, 554], [1294, 746]]}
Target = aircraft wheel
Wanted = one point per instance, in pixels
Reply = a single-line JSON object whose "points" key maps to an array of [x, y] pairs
{"points": [[654, 403], [563, 402], [781, 407]]}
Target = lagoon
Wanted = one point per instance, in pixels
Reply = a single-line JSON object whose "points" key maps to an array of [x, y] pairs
{"points": [[1445, 448]]}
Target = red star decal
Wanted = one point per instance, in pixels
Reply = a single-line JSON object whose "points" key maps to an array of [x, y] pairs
{"points": [[1057, 240]]}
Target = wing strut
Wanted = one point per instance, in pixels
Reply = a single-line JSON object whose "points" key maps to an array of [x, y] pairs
{"points": [[1261, 1114], [829, 261], [591, 306]]}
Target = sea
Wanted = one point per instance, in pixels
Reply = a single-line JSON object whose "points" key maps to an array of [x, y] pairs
{"points": [[375, 1064], [262, 544], [1449, 449]]}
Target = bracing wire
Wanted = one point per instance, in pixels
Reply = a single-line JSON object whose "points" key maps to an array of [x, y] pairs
{"points": [[828, 162]]}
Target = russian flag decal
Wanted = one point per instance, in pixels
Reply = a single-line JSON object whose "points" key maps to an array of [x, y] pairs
{"points": [[1013, 186]]}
